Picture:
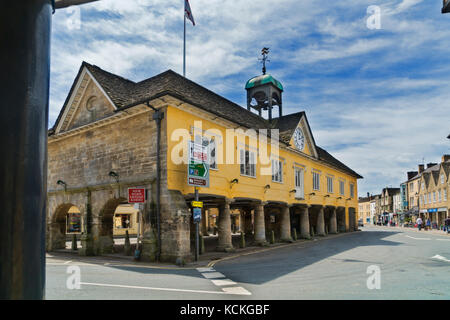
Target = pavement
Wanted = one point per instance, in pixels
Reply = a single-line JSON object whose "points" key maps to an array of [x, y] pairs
{"points": [[377, 263]]}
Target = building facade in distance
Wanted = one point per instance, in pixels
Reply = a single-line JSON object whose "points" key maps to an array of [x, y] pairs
{"points": [[433, 193]]}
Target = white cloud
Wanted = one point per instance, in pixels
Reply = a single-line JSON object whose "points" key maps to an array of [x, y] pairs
{"points": [[377, 99]]}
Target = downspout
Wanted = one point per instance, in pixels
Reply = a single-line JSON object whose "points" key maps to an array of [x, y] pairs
{"points": [[158, 116]]}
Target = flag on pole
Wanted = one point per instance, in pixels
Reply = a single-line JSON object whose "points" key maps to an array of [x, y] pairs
{"points": [[188, 11]]}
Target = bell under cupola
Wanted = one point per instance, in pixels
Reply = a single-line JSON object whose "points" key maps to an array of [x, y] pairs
{"points": [[264, 92]]}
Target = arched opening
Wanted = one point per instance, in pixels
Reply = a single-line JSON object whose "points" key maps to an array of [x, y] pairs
{"points": [[66, 222], [116, 219]]}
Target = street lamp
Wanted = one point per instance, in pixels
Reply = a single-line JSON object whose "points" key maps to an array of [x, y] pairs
{"points": [[114, 175], [62, 183]]}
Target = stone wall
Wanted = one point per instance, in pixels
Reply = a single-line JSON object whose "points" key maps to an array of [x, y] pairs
{"points": [[128, 147]]}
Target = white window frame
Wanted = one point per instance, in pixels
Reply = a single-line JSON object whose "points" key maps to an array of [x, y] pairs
{"points": [[277, 170], [247, 169], [316, 180], [342, 187], [299, 181], [330, 184]]}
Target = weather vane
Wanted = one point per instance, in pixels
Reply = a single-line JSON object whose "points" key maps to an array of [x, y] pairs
{"points": [[264, 53]]}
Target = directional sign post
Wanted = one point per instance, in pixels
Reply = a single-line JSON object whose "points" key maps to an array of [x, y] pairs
{"points": [[198, 176]]}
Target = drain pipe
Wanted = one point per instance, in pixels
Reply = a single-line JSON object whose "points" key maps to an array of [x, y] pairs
{"points": [[158, 116]]}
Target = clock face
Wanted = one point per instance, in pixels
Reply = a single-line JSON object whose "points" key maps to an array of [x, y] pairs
{"points": [[299, 139]]}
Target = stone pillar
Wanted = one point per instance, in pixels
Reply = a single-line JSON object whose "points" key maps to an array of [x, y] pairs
{"points": [[333, 222], [260, 227], [204, 229], [248, 224], [321, 223], [224, 226], [304, 224], [347, 220], [285, 225]]}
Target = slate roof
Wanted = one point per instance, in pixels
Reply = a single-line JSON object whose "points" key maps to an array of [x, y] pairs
{"points": [[391, 191], [125, 93]]}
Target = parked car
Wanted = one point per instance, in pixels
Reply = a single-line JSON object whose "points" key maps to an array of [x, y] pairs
{"points": [[360, 223]]}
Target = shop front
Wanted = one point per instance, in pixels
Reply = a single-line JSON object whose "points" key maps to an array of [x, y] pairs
{"points": [[441, 216]]}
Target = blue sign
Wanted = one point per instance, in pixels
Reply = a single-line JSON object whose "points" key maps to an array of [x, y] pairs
{"points": [[432, 210], [197, 214]]}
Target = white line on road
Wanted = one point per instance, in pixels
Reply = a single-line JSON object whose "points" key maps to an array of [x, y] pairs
{"points": [[443, 239], [231, 292], [417, 238], [213, 275], [438, 257], [217, 279]]}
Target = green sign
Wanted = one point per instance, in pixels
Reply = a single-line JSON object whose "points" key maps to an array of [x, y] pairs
{"points": [[198, 165]]}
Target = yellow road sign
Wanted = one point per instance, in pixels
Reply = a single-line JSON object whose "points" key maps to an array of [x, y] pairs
{"points": [[197, 204]]}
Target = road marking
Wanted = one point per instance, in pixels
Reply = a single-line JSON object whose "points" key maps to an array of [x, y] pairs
{"points": [[231, 292], [438, 257], [201, 270], [443, 239], [67, 262], [213, 275], [417, 238], [237, 290], [226, 282]]}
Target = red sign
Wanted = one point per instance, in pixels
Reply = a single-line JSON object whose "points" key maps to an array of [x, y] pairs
{"points": [[136, 195]]}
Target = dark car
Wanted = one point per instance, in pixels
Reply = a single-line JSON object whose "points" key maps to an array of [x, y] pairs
{"points": [[360, 223]]}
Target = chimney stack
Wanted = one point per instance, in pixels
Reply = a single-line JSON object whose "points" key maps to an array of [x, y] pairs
{"points": [[429, 165], [421, 168], [412, 174], [446, 157]]}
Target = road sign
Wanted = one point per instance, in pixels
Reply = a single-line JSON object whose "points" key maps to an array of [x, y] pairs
{"points": [[136, 195], [198, 165], [197, 204], [197, 212]]}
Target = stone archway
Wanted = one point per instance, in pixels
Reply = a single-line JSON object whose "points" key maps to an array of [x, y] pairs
{"points": [[63, 221], [106, 225], [340, 219]]}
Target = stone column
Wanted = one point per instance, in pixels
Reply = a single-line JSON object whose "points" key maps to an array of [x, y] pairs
{"points": [[285, 225], [224, 226], [347, 220], [248, 224], [304, 224], [333, 222], [260, 227], [321, 223], [204, 223]]}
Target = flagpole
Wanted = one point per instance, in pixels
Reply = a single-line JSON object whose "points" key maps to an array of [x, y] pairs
{"points": [[184, 47]]}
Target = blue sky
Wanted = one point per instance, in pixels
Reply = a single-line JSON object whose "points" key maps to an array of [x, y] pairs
{"points": [[378, 100]]}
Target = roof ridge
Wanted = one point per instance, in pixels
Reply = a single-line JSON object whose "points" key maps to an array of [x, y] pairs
{"points": [[97, 68], [170, 71]]}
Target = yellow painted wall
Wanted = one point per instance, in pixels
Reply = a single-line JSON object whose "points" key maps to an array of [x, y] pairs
{"points": [[249, 187]]}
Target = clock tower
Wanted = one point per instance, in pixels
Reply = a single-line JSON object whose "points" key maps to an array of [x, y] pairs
{"points": [[264, 92]]}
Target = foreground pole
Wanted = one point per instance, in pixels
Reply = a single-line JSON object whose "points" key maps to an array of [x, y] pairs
{"points": [[25, 27]]}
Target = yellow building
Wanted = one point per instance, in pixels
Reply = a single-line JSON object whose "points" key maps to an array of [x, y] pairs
{"points": [[364, 212], [266, 172]]}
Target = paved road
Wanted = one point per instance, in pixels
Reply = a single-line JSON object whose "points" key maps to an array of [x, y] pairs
{"points": [[412, 265]]}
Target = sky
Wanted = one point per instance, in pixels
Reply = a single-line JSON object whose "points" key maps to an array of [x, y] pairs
{"points": [[376, 98]]}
